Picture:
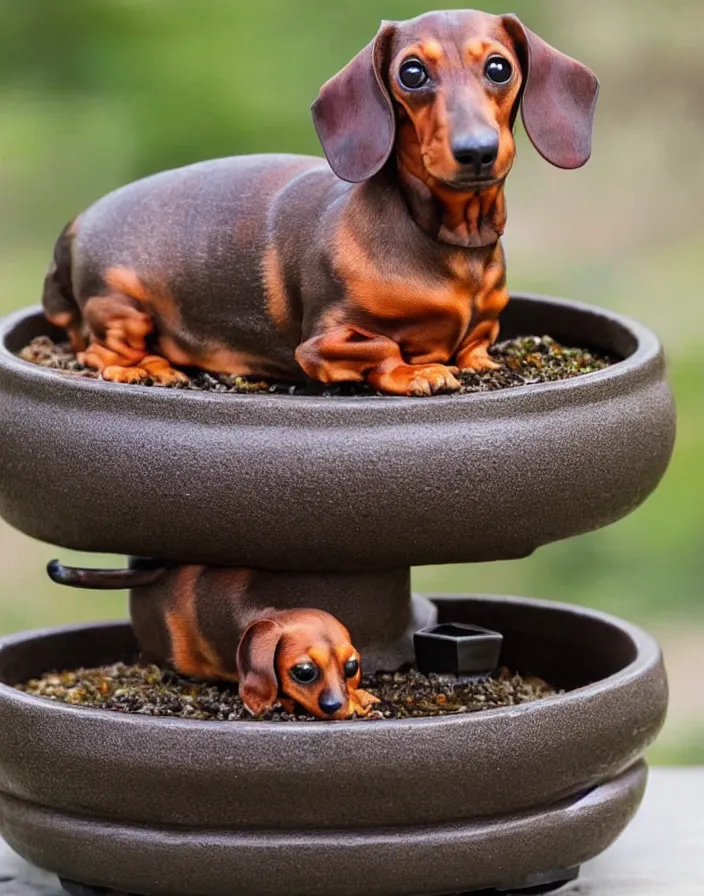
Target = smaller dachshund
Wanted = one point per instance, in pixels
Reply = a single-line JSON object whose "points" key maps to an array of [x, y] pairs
{"points": [[188, 618]]}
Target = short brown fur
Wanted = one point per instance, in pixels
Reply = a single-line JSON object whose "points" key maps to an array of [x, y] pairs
{"points": [[386, 269], [198, 621]]}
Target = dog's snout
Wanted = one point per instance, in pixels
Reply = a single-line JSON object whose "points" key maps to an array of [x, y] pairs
{"points": [[329, 704], [477, 151]]}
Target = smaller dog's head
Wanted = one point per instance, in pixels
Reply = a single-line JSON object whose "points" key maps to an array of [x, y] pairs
{"points": [[302, 655], [444, 89]]}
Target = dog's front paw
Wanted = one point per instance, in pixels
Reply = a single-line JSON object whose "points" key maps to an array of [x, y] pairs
{"points": [[361, 702], [151, 367], [423, 379], [477, 361], [113, 373], [433, 378]]}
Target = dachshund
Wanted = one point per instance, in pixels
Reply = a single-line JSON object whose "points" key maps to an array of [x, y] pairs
{"points": [[382, 264], [196, 621]]}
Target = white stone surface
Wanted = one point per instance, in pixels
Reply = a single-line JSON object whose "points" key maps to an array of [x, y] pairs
{"points": [[661, 853]]}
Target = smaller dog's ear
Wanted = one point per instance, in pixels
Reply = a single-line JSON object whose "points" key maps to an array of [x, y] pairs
{"points": [[256, 669], [353, 114], [558, 98]]}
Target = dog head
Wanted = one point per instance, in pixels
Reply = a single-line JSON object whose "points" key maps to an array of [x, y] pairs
{"points": [[445, 89], [305, 656]]}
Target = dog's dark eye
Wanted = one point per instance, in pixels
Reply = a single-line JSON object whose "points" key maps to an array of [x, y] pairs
{"points": [[304, 673], [498, 70], [351, 668], [412, 74]]}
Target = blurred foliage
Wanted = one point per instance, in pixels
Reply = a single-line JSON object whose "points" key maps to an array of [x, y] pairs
{"points": [[96, 93]]}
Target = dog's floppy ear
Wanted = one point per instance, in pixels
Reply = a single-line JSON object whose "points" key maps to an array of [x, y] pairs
{"points": [[256, 669], [353, 114], [558, 98]]}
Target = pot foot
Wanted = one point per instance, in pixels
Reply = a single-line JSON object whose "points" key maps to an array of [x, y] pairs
{"points": [[73, 888], [536, 885]]}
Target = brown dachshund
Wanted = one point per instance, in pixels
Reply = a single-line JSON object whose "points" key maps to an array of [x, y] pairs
{"points": [[382, 266], [195, 620]]}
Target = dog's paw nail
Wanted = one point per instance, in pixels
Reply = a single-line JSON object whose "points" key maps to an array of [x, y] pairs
{"points": [[420, 387]]}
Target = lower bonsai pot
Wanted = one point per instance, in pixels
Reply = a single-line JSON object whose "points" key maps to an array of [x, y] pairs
{"points": [[507, 798]]}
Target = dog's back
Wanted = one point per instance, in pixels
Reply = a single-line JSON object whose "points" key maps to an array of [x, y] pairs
{"points": [[189, 246]]}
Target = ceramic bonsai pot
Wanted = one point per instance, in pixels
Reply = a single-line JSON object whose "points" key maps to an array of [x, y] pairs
{"points": [[340, 495], [314, 483], [506, 798], [331, 501]]}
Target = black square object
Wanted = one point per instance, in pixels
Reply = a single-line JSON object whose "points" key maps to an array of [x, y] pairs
{"points": [[453, 648]]}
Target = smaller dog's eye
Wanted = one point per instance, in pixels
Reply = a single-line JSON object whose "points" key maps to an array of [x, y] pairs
{"points": [[351, 668], [412, 74], [498, 70], [304, 673]]}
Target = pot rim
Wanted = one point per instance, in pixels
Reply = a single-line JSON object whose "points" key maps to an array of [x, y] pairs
{"points": [[579, 389], [648, 654]]}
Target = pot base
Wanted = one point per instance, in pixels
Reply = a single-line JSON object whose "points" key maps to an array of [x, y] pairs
{"points": [[536, 885], [504, 854]]}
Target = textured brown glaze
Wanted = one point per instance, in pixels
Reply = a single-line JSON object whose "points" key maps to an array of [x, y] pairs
{"points": [[335, 484], [392, 807], [399, 862]]}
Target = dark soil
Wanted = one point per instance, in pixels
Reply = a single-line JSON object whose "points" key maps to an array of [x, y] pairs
{"points": [[525, 361], [149, 691]]}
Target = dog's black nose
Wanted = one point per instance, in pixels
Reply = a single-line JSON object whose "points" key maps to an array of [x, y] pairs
{"points": [[328, 704], [477, 151]]}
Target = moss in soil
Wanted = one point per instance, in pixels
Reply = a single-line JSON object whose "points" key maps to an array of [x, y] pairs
{"points": [[147, 690], [525, 361]]}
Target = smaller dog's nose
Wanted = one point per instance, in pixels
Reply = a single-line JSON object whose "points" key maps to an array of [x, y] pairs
{"points": [[328, 704], [478, 151]]}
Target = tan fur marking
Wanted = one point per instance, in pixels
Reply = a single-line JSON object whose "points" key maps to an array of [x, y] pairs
{"points": [[127, 282], [425, 317], [475, 49], [389, 296], [152, 295], [237, 362], [432, 50], [171, 350], [276, 298], [63, 319], [190, 653], [215, 359], [117, 326]]}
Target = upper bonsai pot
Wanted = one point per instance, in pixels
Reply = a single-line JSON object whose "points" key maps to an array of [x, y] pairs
{"points": [[284, 482]]}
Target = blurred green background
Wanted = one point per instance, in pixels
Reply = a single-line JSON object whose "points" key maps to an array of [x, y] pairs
{"points": [[96, 93]]}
